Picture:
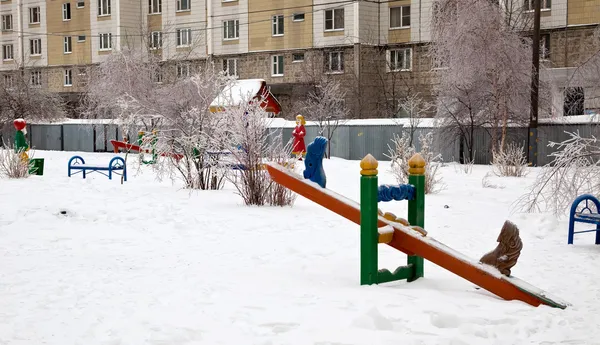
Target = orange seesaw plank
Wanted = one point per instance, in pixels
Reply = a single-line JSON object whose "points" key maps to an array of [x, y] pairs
{"points": [[411, 242]]}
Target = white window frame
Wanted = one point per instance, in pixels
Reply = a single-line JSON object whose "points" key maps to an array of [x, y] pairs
{"points": [[278, 25], [35, 78], [339, 55], [9, 81], [294, 55], [8, 52], [180, 7], [277, 65], [155, 40], [332, 20], [184, 37], [154, 6], [402, 10], [68, 79], [105, 41], [7, 22], [35, 46], [226, 30], [35, 14], [393, 59], [79, 40], [80, 2], [67, 45], [157, 75], [544, 49], [66, 11], [228, 65], [545, 4], [104, 8], [183, 70], [296, 18]]}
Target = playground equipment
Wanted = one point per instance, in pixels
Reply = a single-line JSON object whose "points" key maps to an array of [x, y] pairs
{"points": [[148, 143], [77, 164], [299, 149], [413, 241], [585, 215], [36, 165], [125, 146]]}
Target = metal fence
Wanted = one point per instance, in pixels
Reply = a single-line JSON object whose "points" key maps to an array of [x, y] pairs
{"points": [[348, 141]]}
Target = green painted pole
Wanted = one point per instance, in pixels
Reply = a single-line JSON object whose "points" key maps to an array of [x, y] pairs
{"points": [[369, 236], [416, 207]]}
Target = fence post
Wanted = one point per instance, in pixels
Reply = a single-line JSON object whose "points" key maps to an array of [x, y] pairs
{"points": [[368, 221], [416, 207]]}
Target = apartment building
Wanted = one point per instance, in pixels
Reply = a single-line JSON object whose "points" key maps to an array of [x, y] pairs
{"points": [[376, 48]]}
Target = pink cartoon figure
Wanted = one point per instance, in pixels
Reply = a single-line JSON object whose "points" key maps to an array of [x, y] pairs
{"points": [[299, 149]]}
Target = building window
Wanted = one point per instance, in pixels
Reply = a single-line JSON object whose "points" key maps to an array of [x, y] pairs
{"points": [[106, 41], [277, 65], [7, 52], [68, 77], [80, 4], [104, 7], [298, 17], [334, 19], [68, 48], [184, 37], [183, 5], [298, 57], [277, 25], [157, 75], [35, 78], [9, 81], [82, 76], [66, 11], [231, 29], [35, 46], [574, 101], [530, 5], [183, 70], [400, 17], [400, 59], [7, 23], [334, 62], [154, 6], [230, 67], [545, 47], [34, 15], [155, 40], [81, 38]]}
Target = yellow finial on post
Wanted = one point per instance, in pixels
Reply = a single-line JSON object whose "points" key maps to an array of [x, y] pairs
{"points": [[416, 165], [369, 166]]}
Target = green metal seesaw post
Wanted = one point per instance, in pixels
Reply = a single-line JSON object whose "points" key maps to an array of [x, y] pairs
{"points": [[369, 213]]}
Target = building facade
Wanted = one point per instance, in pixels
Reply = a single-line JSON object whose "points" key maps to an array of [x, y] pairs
{"points": [[376, 48]]}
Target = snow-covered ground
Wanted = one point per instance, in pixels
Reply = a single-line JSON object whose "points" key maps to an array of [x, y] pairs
{"points": [[148, 262]]}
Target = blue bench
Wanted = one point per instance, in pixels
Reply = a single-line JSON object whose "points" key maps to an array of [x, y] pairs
{"points": [[77, 164], [584, 215]]}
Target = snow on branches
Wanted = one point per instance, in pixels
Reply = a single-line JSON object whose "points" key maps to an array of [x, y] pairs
{"points": [[574, 170]]}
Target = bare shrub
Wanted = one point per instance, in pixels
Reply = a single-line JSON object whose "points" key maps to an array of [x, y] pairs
{"points": [[11, 163], [466, 167], [402, 151], [249, 132], [510, 161]]}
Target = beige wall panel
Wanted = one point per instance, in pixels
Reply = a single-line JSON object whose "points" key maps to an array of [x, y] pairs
{"points": [[583, 12], [297, 34], [79, 24]]}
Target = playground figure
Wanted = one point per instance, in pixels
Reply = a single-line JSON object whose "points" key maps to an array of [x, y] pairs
{"points": [[20, 142], [505, 256], [314, 161], [299, 132]]}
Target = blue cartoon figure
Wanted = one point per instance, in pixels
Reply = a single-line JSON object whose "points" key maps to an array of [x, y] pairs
{"points": [[313, 162]]}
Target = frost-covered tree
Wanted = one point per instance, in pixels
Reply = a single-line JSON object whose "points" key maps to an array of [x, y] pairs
{"points": [[574, 170], [327, 108], [484, 70]]}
